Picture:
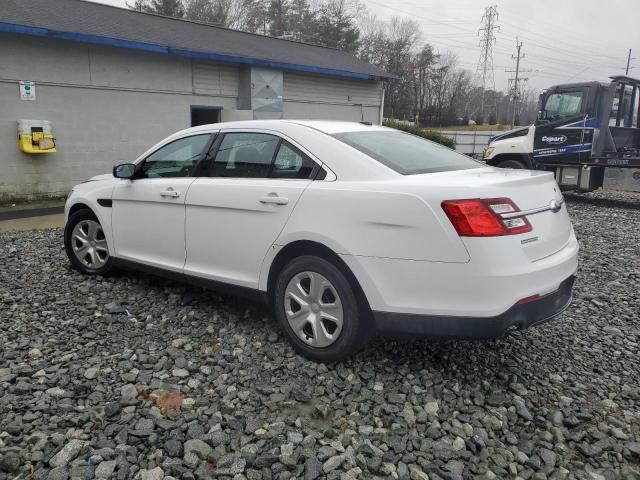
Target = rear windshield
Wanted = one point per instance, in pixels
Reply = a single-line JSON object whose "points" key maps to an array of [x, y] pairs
{"points": [[405, 153]]}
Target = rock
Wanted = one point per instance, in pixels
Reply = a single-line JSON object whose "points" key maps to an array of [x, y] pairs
{"points": [[91, 373], [312, 468], [180, 372], [69, 452], [409, 415], [58, 473], [431, 408], [153, 474], [195, 451], [455, 466], [105, 470], [548, 457], [128, 392], [416, 473], [634, 448], [9, 462], [458, 444], [555, 378], [179, 342], [236, 467], [613, 331], [351, 474], [173, 448], [332, 463]]}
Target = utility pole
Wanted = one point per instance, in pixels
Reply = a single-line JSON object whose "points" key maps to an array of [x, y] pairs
{"points": [[487, 40], [519, 56], [628, 62]]}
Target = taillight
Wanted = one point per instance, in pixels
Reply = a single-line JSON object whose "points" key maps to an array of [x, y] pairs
{"points": [[483, 217]]}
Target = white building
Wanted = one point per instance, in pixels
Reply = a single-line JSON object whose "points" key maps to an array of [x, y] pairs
{"points": [[112, 81]]}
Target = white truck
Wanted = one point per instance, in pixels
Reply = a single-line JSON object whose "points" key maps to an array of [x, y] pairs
{"points": [[582, 128]]}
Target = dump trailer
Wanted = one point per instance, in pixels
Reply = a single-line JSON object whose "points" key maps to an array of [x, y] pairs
{"points": [[581, 129]]}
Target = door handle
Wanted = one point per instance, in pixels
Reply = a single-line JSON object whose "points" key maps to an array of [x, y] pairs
{"points": [[274, 199], [170, 192]]}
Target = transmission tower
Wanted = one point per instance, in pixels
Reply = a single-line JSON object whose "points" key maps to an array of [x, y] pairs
{"points": [[487, 40]]}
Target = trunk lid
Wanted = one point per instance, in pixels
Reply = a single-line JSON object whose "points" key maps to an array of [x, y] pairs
{"points": [[533, 192]]}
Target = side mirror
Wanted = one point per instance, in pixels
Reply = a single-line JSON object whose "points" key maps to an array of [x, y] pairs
{"points": [[124, 170]]}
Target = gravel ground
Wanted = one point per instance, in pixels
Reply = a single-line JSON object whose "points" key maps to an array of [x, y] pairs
{"points": [[185, 383]]}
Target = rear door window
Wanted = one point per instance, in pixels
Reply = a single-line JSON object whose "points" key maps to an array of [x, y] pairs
{"points": [[291, 163], [244, 155], [405, 153]]}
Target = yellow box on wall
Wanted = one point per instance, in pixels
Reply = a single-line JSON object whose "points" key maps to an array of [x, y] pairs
{"points": [[35, 136]]}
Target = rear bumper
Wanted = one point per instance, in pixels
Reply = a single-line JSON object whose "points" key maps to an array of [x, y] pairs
{"points": [[518, 317]]}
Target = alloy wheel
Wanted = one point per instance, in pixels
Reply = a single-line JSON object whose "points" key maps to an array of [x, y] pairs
{"points": [[313, 309], [89, 244]]}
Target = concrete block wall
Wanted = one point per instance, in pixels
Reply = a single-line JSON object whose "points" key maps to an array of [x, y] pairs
{"points": [[108, 105], [105, 105]]}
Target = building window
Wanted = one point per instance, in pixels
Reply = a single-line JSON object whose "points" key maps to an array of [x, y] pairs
{"points": [[204, 115]]}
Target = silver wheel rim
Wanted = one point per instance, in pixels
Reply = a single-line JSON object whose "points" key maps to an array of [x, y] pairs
{"points": [[89, 244], [313, 309]]}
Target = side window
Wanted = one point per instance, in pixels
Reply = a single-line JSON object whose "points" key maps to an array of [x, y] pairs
{"points": [[291, 163], [562, 105], [177, 159], [244, 155]]}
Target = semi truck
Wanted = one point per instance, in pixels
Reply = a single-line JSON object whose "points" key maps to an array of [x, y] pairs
{"points": [[581, 130]]}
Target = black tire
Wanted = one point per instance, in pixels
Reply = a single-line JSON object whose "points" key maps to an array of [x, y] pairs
{"points": [[352, 336], [75, 219], [511, 163]]}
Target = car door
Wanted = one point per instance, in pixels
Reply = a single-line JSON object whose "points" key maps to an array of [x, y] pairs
{"points": [[148, 212], [237, 210], [560, 135]]}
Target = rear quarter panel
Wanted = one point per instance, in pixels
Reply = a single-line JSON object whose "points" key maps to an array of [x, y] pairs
{"points": [[359, 218]]}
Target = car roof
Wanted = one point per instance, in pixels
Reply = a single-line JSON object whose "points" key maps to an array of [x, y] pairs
{"points": [[325, 126]]}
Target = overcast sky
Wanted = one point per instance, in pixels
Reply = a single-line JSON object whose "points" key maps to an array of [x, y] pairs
{"points": [[563, 40]]}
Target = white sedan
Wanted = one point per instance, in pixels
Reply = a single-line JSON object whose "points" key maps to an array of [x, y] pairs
{"points": [[346, 229]]}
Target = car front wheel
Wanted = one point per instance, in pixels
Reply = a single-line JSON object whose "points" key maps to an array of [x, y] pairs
{"points": [[85, 243], [318, 309]]}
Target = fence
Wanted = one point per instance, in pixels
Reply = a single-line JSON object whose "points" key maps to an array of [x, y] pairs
{"points": [[471, 143]]}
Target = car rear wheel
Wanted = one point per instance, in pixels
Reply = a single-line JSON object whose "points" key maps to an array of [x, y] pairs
{"points": [[318, 310], [511, 163], [86, 244]]}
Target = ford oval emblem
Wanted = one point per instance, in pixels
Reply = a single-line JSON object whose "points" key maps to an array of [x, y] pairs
{"points": [[554, 139]]}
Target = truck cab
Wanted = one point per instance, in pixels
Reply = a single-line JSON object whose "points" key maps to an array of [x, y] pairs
{"points": [[581, 129]]}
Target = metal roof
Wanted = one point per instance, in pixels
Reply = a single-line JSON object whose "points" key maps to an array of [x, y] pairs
{"points": [[83, 21]]}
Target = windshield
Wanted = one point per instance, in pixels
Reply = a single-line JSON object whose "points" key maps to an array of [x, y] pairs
{"points": [[562, 105], [407, 154]]}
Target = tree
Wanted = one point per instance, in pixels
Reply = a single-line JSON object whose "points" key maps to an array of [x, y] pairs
{"points": [[278, 12], [336, 24], [300, 20], [168, 8]]}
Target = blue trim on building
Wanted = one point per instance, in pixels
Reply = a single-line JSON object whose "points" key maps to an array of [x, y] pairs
{"points": [[157, 48], [219, 57]]}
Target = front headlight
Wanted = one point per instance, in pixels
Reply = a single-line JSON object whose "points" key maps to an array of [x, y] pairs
{"points": [[488, 152]]}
